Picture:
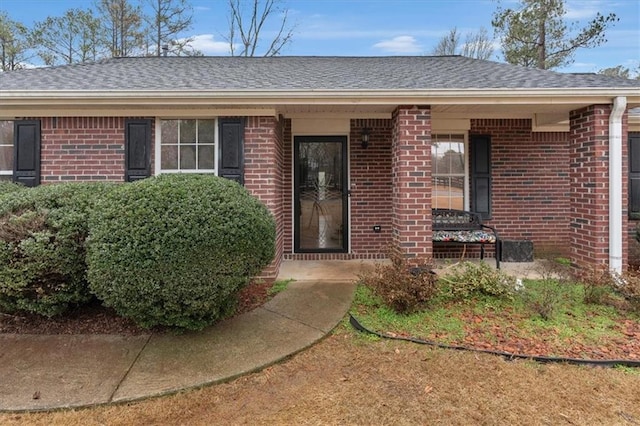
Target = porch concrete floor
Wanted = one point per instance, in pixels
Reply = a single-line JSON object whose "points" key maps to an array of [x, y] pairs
{"points": [[346, 270]]}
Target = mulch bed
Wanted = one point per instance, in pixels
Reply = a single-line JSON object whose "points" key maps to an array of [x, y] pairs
{"points": [[96, 319]]}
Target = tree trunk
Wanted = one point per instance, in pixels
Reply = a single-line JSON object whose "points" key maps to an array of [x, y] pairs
{"points": [[542, 48]]}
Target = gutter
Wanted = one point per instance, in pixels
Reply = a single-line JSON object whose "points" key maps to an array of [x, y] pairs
{"points": [[615, 184]]}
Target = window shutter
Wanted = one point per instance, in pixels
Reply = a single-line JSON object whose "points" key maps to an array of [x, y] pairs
{"points": [[26, 148], [481, 175], [231, 141], [634, 175], [137, 149]]}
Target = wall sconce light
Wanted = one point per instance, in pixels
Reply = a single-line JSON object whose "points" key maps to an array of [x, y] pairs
{"points": [[364, 137]]}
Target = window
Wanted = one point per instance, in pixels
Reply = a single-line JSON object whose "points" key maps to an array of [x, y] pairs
{"points": [[449, 171], [6, 150], [188, 145]]}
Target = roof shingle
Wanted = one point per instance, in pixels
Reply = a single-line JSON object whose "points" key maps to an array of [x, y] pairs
{"points": [[297, 73]]}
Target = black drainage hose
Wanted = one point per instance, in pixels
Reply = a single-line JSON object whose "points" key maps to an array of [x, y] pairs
{"points": [[545, 359]]}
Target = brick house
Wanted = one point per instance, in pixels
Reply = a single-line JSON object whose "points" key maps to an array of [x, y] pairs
{"points": [[349, 153]]}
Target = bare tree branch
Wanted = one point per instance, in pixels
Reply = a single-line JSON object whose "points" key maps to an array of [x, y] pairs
{"points": [[258, 17]]}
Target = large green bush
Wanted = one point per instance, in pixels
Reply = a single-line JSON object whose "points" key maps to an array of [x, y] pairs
{"points": [[174, 250], [42, 247], [8, 187]]}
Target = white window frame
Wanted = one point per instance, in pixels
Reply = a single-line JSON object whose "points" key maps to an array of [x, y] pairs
{"points": [[158, 147], [466, 190], [8, 143]]}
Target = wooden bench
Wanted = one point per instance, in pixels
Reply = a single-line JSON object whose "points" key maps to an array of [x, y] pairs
{"points": [[463, 227]]}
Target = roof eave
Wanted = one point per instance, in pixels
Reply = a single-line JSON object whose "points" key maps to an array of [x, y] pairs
{"points": [[522, 96]]}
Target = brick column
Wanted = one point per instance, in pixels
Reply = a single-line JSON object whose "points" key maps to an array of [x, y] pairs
{"points": [[411, 167], [263, 175], [589, 195]]}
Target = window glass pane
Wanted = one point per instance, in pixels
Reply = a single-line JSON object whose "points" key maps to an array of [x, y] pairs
{"points": [[448, 193], [188, 131], [6, 132], [448, 171], [206, 157], [169, 132], [6, 157], [187, 157], [455, 157], [206, 131], [169, 157]]}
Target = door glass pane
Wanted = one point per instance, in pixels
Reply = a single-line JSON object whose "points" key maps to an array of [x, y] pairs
{"points": [[320, 195]]}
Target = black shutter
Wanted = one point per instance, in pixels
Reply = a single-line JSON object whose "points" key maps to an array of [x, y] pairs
{"points": [[634, 175], [26, 152], [137, 156], [481, 175], [231, 141]]}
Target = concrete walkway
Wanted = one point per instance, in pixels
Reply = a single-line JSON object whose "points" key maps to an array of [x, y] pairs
{"points": [[42, 372]]}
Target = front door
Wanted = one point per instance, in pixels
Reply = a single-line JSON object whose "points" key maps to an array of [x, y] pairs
{"points": [[320, 194]]}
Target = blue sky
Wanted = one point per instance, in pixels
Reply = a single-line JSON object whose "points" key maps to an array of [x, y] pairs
{"points": [[384, 27]]}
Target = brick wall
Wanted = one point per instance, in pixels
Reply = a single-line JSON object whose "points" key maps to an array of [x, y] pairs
{"points": [[530, 183], [82, 149], [371, 188], [263, 145], [411, 168]]}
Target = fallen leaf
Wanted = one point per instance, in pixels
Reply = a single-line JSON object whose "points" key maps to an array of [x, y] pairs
{"points": [[36, 395], [428, 389]]}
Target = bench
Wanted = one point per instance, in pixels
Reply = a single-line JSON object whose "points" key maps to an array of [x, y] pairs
{"points": [[463, 227]]}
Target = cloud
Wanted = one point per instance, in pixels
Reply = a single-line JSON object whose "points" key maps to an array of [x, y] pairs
{"points": [[399, 44], [583, 9], [207, 44]]}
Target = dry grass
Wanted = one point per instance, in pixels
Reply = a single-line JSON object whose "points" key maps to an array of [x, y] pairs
{"points": [[347, 379]]}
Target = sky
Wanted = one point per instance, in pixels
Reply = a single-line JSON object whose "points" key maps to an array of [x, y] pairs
{"points": [[384, 27]]}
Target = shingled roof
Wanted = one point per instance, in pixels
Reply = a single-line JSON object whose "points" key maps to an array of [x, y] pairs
{"points": [[306, 73]]}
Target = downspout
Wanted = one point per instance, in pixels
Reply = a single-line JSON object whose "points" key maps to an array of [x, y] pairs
{"points": [[615, 184]]}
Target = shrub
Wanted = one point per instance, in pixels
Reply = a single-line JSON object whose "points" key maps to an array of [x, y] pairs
{"points": [[545, 299], [7, 187], [402, 288], [42, 247], [597, 283], [468, 279], [628, 285], [175, 250]]}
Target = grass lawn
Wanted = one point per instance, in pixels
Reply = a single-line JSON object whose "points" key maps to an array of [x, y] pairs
{"points": [[546, 317]]}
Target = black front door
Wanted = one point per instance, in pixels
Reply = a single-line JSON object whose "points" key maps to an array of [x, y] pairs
{"points": [[320, 194]]}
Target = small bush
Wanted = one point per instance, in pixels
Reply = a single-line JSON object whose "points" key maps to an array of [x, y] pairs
{"points": [[175, 250], [468, 279], [545, 300], [598, 283], [42, 247], [629, 287], [402, 288]]}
